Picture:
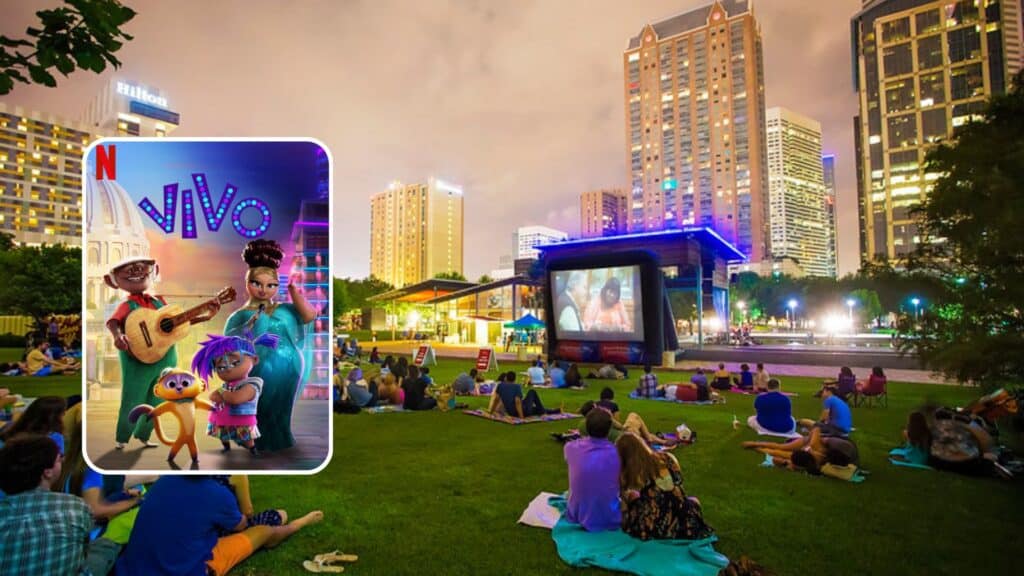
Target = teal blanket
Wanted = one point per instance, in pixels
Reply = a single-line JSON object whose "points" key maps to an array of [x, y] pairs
{"points": [[910, 456], [619, 551]]}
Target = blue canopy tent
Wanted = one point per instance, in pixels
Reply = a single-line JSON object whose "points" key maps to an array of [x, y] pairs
{"points": [[527, 322]]}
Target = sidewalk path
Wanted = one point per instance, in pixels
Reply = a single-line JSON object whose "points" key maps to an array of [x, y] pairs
{"points": [[802, 370]]}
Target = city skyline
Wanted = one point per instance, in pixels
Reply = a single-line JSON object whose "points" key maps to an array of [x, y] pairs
{"points": [[488, 96]]}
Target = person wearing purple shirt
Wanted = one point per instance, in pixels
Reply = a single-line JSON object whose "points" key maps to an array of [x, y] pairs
{"points": [[594, 477]]}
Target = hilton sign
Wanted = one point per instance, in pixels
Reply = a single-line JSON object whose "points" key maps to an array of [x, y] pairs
{"points": [[139, 93]]}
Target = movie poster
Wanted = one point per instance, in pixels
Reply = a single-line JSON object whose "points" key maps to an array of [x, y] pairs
{"points": [[207, 298]]}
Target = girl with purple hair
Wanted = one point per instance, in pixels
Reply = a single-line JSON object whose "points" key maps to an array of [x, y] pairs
{"points": [[232, 358]]}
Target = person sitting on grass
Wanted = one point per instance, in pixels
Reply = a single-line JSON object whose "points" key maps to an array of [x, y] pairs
{"points": [[360, 392], [44, 416], [556, 374], [179, 524], [415, 388], [722, 379], [465, 384], [745, 381], [375, 356], [594, 476], [761, 379], [809, 452], [607, 401], [648, 387], [535, 375], [37, 363], [774, 411], [835, 419], [425, 374], [701, 382], [41, 531], [507, 399], [917, 437], [655, 506], [573, 378]]}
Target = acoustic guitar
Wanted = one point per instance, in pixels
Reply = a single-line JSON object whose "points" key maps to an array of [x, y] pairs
{"points": [[151, 333]]}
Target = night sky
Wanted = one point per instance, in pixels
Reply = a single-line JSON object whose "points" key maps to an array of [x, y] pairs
{"points": [[519, 102]]}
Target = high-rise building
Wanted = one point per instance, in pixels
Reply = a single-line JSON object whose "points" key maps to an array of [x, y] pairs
{"points": [[529, 236], [828, 167], [603, 213], [416, 232], [125, 108], [694, 98], [41, 176], [41, 158], [796, 191], [923, 68]]}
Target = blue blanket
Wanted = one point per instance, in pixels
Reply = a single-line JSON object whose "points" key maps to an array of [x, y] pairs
{"points": [[619, 551]]}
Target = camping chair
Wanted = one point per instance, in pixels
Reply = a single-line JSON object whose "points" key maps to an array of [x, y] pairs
{"points": [[870, 397]]}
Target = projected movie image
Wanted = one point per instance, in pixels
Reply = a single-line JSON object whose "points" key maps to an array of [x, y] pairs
{"points": [[598, 304]]}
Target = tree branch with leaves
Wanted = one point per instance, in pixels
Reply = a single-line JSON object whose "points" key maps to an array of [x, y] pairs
{"points": [[82, 34]]}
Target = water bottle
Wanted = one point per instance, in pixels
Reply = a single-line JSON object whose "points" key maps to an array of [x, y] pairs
{"points": [[735, 422]]}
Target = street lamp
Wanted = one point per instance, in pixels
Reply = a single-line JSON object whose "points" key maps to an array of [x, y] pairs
{"points": [[917, 304], [742, 307], [791, 313], [849, 305]]}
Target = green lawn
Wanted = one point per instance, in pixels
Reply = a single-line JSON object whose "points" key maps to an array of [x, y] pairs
{"points": [[33, 387], [440, 493]]}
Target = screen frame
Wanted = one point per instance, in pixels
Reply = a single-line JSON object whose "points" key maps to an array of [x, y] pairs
{"points": [[652, 292]]}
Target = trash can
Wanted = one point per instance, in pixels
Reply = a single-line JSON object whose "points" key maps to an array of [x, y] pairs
{"points": [[521, 353]]}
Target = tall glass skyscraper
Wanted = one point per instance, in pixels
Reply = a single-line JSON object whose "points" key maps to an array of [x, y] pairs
{"points": [[922, 68], [695, 140]]}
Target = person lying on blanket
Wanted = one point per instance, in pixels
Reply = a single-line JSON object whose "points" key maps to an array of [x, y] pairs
{"points": [[684, 392], [809, 453], [508, 400], [774, 410], [633, 423]]}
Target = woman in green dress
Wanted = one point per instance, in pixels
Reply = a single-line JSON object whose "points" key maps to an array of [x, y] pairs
{"points": [[284, 370]]}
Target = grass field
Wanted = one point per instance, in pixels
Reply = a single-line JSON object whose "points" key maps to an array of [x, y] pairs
{"points": [[440, 493]]}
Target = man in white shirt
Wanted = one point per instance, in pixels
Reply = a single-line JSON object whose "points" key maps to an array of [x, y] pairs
{"points": [[536, 375]]}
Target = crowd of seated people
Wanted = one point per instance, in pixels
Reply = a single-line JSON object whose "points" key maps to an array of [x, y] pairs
{"points": [[58, 516]]}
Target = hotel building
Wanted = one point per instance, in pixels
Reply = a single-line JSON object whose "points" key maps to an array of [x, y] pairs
{"points": [[416, 232], [695, 140], [921, 69]]}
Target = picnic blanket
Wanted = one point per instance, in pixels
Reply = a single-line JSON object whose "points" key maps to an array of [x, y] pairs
{"points": [[616, 550], [736, 390], [540, 512], [911, 457], [753, 423], [527, 420], [634, 396], [386, 409]]}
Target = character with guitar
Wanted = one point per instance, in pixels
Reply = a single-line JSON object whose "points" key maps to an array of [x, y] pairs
{"points": [[145, 330]]}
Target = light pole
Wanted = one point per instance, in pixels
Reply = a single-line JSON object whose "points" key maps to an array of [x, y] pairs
{"points": [[849, 305], [791, 312], [917, 307], [742, 307]]}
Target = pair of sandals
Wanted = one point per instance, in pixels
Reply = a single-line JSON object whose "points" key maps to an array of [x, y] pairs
{"points": [[325, 563]]}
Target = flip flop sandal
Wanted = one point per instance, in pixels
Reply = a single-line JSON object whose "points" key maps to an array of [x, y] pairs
{"points": [[320, 568], [335, 556]]}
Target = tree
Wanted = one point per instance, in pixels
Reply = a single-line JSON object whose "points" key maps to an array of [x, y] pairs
{"points": [[41, 280], [450, 275], [485, 279], [340, 301], [973, 330], [82, 34], [867, 303]]}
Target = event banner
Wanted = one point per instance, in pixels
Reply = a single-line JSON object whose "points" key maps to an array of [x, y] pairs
{"points": [[207, 296]]}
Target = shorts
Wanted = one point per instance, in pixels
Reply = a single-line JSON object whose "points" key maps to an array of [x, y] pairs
{"points": [[44, 371], [229, 552], [827, 429]]}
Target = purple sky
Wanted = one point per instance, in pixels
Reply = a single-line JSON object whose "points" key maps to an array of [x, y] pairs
{"points": [[519, 102]]}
